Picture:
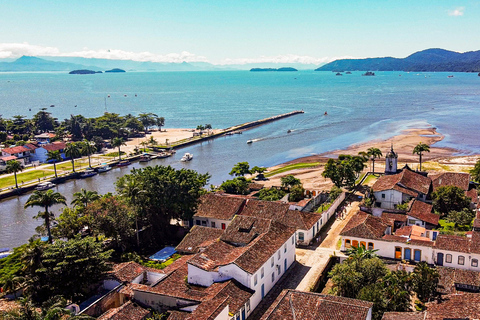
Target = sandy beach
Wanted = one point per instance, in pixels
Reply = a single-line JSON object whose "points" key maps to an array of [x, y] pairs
{"points": [[438, 159]]}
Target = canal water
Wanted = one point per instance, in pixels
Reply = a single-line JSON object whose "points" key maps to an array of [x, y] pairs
{"points": [[359, 109]]}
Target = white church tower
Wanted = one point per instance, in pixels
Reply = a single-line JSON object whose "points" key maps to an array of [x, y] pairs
{"points": [[391, 162]]}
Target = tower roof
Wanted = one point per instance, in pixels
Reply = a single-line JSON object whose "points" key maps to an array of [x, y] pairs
{"points": [[391, 153]]}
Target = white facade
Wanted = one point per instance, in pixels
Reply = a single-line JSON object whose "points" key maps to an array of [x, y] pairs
{"points": [[387, 199], [412, 221]]}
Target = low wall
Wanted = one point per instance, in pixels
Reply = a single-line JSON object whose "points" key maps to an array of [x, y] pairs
{"points": [[104, 303]]}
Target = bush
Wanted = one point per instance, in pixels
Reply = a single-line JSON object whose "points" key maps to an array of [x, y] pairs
{"points": [[334, 193], [271, 194], [296, 193], [237, 185]]}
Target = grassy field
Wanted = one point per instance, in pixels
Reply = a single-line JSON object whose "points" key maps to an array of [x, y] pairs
{"points": [[9, 181], [291, 167], [369, 179]]}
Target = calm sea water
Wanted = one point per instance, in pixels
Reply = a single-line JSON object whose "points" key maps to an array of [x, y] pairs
{"points": [[359, 109]]}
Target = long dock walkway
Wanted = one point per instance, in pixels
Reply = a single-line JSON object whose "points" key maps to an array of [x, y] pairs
{"points": [[245, 126]]}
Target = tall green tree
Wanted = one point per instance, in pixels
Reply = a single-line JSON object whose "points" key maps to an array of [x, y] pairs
{"points": [[71, 268], [290, 181], [152, 141], [345, 170], [14, 166], [72, 151], [117, 143], [449, 198], [54, 156], [425, 281], [147, 119], [169, 193], [240, 169], [45, 200], [238, 185], [160, 122], [84, 197], [420, 149], [132, 191], [88, 148], [43, 121], [475, 172], [374, 153]]}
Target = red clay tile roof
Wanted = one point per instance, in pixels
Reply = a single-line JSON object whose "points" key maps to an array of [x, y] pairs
{"points": [[248, 242], [264, 209], [455, 306], [8, 158], [403, 316], [128, 311], [218, 206], [31, 146], [57, 145], [473, 194], [452, 243], [451, 276], [394, 238], [405, 180], [458, 179], [16, 149], [392, 217], [296, 305], [198, 238], [128, 271], [364, 225], [174, 285], [178, 315], [253, 186], [423, 211]]}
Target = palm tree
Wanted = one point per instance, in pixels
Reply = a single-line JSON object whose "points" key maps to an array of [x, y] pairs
{"points": [[131, 190], [14, 166], [117, 143], [54, 156], [152, 141], [374, 153], [45, 200], [72, 150], [360, 252], [84, 197], [419, 149], [144, 144], [88, 148], [208, 127]]}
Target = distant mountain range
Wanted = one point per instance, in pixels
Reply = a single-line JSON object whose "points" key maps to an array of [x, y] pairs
{"points": [[426, 60]]}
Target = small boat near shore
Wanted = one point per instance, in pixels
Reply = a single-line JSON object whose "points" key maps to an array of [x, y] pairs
{"points": [[164, 154], [249, 141], [145, 157], [123, 163], [187, 157], [104, 168], [87, 174], [44, 186]]}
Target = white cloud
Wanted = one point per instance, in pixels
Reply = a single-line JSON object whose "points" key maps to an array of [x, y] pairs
{"points": [[459, 11], [289, 58], [16, 50]]}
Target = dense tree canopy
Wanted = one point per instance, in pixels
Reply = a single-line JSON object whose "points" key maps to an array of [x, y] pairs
{"points": [[290, 181], [168, 194], [475, 172], [449, 198], [240, 169], [238, 185], [345, 170]]}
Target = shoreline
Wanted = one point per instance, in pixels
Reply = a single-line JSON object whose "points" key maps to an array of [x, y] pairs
{"points": [[438, 159]]}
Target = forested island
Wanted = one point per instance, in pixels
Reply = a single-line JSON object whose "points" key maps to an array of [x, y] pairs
{"points": [[274, 69], [115, 70], [83, 71], [427, 60]]}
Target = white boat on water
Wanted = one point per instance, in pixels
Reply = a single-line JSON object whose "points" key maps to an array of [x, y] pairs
{"points": [[187, 157], [249, 141], [104, 168], [44, 186]]}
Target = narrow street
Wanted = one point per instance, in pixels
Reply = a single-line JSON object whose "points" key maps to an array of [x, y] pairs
{"points": [[310, 262]]}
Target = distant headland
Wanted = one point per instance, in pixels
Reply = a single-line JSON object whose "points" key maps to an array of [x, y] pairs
{"points": [[427, 60], [274, 69], [115, 70], [83, 71]]}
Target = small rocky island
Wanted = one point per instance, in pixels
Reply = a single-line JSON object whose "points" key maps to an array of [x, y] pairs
{"points": [[274, 69], [115, 70], [84, 72]]}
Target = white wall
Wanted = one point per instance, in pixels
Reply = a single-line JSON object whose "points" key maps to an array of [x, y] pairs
{"points": [[207, 222], [468, 257], [411, 221], [392, 197]]}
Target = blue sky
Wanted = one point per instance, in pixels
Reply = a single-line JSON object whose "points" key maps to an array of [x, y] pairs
{"points": [[236, 31]]}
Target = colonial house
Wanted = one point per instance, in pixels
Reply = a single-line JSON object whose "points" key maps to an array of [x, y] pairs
{"points": [[22, 153], [228, 278], [4, 160], [457, 179], [420, 214], [198, 239], [41, 153], [293, 304], [217, 211], [390, 190], [44, 137], [452, 280], [412, 243]]}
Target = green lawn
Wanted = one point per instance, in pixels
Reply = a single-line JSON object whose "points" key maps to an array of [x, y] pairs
{"points": [[292, 167], [369, 179], [9, 181]]}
